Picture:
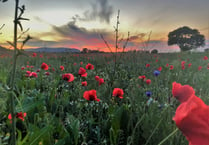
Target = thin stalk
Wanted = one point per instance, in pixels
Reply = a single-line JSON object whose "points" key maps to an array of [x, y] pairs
{"points": [[12, 98], [171, 134]]}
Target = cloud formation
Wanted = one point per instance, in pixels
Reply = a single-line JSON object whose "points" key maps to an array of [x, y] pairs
{"points": [[100, 9]]}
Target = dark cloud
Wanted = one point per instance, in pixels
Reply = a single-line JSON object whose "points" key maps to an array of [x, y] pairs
{"points": [[99, 10], [73, 31]]}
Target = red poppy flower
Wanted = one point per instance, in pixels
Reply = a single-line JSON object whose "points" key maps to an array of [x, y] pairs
{"points": [[84, 83], [189, 65], [19, 115], [44, 66], [167, 65], [101, 81], [171, 67], [82, 72], [182, 67], [117, 92], [142, 77], [205, 58], [159, 68], [199, 68], [190, 116], [97, 78], [68, 77], [148, 81], [89, 66], [47, 73], [62, 68], [34, 55], [22, 68], [34, 74], [148, 65], [91, 95], [183, 62]]}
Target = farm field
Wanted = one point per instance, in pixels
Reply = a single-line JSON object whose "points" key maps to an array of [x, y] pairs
{"points": [[98, 99]]}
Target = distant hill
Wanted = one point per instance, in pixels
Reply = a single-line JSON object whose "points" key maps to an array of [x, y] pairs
{"points": [[52, 50], [3, 48]]}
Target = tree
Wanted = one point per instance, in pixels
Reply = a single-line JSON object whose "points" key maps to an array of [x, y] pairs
{"points": [[186, 38], [154, 51], [85, 50]]}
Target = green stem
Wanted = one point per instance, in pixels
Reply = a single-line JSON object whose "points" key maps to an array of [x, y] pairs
{"points": [[155, 128], [171, 134], [13, 135]]}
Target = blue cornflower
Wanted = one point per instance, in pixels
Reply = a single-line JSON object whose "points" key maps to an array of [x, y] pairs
{"points": [[148, 93], [156, 73]]}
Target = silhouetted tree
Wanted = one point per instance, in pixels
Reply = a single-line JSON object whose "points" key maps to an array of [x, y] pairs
{"points": [[186, 38], [85, 50], [154, 51]]}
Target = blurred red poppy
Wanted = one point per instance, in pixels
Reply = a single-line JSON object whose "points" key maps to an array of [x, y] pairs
{"points": [[117, 92], [91, 95], [191, 115], [19, 115], [82, 72], [68, 77], [44, 66], [89, 66], [84, 83], [62, 68]]}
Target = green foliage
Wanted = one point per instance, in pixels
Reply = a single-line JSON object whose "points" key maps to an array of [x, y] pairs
{"points": [[186, 38]]}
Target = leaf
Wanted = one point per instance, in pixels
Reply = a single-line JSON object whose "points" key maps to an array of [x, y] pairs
{"points": [[12, 44], [20, 25], [28, 107], [38, 134]]}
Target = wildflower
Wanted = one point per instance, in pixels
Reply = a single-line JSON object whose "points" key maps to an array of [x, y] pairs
{"points": [[117, 92], [182, 67], [81, 63], [142, 77], [199, 68], [62, 68], [148, 93], [19, 115], [101, 81], [148, 81], [89, 66], [205, 58], [84, 83], [34, 74], [190, 116], [167, 65], [189, 65], [47, 73], [156, 73], [147, 65], [171, 67], [159, 68], [82, 72], [91, 95], [34, 54], [97, 78], [44, 66], [22, 68], [68, 77]]}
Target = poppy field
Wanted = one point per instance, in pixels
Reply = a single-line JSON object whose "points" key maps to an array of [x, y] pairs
{"points": [[129, 98]]}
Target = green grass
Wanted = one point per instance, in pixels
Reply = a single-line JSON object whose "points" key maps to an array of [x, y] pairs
{"points": [[57, 113]]}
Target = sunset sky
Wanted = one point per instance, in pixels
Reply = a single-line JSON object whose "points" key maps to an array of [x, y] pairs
{"points": [[79, 23]]}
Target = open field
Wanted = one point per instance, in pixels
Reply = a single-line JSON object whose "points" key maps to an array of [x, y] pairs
{"points": [[55, 109]]}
